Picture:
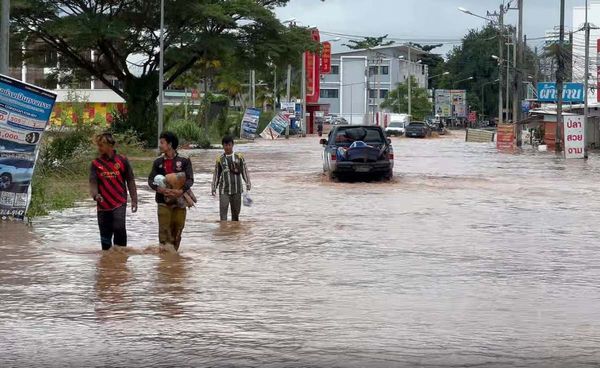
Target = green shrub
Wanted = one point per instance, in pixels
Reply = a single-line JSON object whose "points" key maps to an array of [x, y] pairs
{"points": [[187, 131]]}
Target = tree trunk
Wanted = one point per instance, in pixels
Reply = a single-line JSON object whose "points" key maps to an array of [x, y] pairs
{"points": [[142, 108]]}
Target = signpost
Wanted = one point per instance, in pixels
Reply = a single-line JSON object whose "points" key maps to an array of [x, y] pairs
{"points": [[24, 113], [250, 123], [572, 92], [574, 137], [505, 137]]}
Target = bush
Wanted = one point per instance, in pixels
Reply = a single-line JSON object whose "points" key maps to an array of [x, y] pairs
{"points": [[189, 132]]}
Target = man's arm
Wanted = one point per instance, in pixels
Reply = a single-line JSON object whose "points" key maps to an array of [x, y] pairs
{"points": [[153, 173], [189, 176], [216, 177], [130, 178], [93, 180], [245, 173]]}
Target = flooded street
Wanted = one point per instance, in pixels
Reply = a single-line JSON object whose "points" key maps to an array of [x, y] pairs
{"points": [[467, 258]]}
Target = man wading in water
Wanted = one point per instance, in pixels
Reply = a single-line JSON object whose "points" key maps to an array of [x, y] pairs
{"points": [[171, 211], [230, 169], [110, 177]]}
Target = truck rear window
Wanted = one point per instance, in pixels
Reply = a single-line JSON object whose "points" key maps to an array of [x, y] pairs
{"points": [[347, 136]]}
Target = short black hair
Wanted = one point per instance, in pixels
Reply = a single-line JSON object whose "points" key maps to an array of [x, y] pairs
{"points": [[170, 138], [227, 139], [106, 138]]}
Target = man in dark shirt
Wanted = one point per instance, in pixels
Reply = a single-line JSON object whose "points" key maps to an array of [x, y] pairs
{"points": [[111, 176], [171, 215]]}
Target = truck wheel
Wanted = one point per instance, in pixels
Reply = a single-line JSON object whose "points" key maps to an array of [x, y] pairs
{"points": [[331, 176], [388, 175]]}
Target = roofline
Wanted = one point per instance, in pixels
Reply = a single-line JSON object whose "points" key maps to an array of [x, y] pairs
{"points": [[349, 51]]}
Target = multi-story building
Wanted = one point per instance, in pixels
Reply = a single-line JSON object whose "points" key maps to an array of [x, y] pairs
{"points": [[579, 46], [360, 80]]}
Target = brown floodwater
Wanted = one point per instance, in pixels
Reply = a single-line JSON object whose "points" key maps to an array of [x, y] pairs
{"points": [[468, 257]]}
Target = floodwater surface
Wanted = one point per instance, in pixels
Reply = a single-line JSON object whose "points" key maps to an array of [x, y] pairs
{"points": [[469, 257]]}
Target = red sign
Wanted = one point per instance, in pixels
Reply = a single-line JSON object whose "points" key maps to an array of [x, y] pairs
{"points": [[195, 94], [472, 116], [505, 137], [313, 72], [326, 58]]}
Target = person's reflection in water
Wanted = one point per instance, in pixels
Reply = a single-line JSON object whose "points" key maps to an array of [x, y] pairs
{"points": [[171, 275], [233, 231], [112, 274]]}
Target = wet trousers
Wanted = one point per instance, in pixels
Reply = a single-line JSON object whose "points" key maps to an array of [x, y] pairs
{"points": [[112, 225], [171, 221], [233, 200]]}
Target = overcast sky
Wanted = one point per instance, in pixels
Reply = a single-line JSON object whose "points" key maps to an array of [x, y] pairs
{"points": [[419, 19]]}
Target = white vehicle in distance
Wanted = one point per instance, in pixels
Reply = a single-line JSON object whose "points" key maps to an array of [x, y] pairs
{"points": [[397, 125]]}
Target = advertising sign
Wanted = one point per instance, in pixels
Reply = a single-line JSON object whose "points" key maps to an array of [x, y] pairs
{"points": [[276, 127], [505, 137], [572, 92], [313, 72], [451, 103], [472, 116], [574, 137], [326, 58], [250, 123], [24, 114]]}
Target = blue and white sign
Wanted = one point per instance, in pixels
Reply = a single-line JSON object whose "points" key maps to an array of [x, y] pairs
{"points": [[250, 123], [572, 92], [24, 113]]}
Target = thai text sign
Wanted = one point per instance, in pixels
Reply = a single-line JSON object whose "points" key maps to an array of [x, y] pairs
{"points": [[572, 92], [326, 58], [505, 137], [574, 137]]}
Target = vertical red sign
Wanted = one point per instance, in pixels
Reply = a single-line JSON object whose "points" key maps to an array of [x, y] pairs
{"points": [[505, 137], [326, 58], [313, 72]]}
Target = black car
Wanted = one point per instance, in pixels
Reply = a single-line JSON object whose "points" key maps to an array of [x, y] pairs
{"points": [[354, 150], [417, 129]]}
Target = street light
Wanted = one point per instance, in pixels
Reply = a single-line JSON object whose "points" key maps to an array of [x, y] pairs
{"points": [[462, 80], [439, 75], [460, 8]]}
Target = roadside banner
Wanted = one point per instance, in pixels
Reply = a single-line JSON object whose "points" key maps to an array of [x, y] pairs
{"points": [[572, 92], [505, 137], [574, 137], [276, 127], [250, 123], [24, 114], [326, 58]]}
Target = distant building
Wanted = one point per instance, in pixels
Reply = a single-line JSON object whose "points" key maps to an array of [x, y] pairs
{"points": [[360, 80], [579, 46]]}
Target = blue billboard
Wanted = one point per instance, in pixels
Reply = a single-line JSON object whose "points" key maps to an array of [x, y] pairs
{"points": [[572, 92]]}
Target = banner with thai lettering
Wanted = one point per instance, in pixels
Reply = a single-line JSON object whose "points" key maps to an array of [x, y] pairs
{"points": [[250, 123], [24, 114], [574, 137], [505, 137], [276, 127], [326, 58], [572, 92]]}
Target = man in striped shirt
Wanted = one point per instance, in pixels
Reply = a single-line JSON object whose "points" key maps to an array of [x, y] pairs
{"points": [[111, 176], [230, 169]]}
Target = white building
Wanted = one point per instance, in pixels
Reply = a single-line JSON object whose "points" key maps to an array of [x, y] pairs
{"points": [[579, 46]]}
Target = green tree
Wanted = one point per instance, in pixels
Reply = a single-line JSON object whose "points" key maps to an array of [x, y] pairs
{"points": [[124, 37], [397, 100], [369, 43]]}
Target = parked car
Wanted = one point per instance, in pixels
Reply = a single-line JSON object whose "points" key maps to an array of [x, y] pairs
{"points": [[418, 129], [330, 118], [353, 150], [339, 121], [395, 128], [14, 172]]}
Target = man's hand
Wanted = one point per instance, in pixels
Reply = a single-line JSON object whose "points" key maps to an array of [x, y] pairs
{"points": [[161, 190], [214, 193], [98, 198], [173, 193], [134, 206], [248, 187]]}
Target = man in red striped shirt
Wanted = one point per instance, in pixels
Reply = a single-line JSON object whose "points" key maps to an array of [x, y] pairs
{"points": [[111, 176]]}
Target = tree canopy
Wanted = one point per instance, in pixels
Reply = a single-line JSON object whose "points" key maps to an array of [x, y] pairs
{"points": [[369, 43], [124, 37], [397, 100]]}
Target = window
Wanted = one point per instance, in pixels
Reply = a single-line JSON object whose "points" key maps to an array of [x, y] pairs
{"points": [[372, 93], [330, 93], [345, 137], [335, 69], [373, 70], [385, 70], [383, 93]]}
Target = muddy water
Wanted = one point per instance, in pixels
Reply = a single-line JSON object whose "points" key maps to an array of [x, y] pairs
{"points": [[468, 257]]}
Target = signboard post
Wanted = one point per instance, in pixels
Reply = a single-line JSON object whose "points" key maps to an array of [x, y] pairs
{"points": [[574, 137], [250, 123], [24, 113], [505, 137]]}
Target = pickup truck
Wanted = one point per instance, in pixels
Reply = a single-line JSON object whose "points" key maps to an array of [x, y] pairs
{"points": [[353, 150]]}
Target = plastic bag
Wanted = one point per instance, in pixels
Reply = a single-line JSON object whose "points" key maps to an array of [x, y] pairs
{"points": [[247, 199]]}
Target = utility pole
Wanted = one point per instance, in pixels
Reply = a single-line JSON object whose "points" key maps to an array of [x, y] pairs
{"points": [[560, 73], [507, 80], [501, 52], [275, 87], [161, 72], [253, 87], [304, 93], [587, 74], [409, 81], [518, 86], [288, 96]]}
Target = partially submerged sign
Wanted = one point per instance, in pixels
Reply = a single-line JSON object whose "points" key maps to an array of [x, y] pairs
{"points": [[505, 138], [574, 137], [276, 127], [24, 113]]}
